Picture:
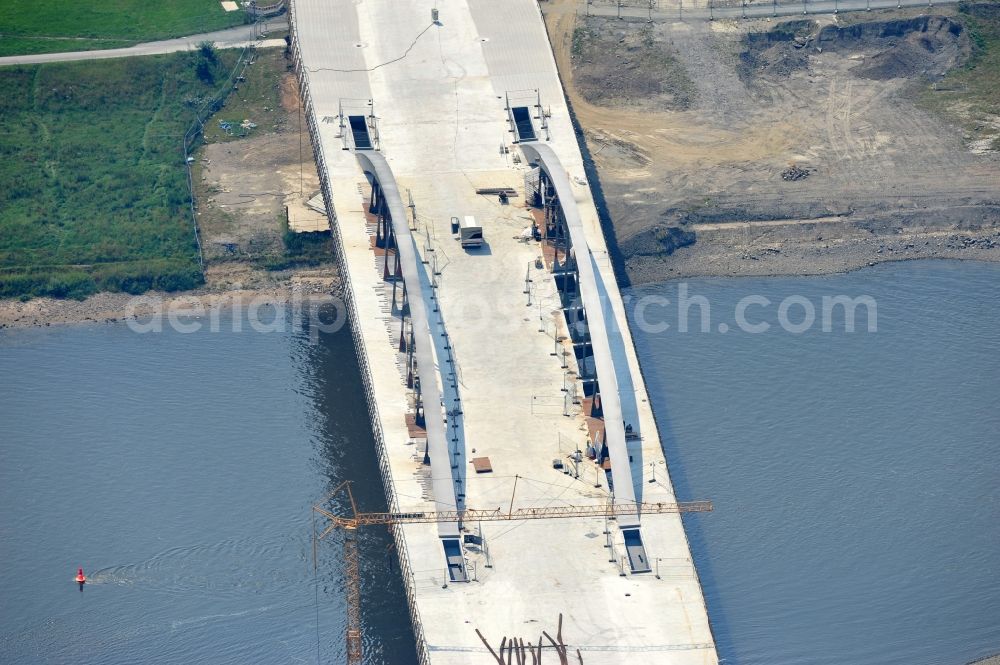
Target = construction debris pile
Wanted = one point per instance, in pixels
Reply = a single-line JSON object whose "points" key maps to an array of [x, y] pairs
{"points": [[516, 650], [228, 126], [795, 172]]}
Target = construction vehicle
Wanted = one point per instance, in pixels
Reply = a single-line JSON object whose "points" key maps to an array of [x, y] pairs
{"points": [[471, 233]]}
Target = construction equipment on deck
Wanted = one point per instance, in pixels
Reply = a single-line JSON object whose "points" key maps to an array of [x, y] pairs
{"points": [[351, 523]]}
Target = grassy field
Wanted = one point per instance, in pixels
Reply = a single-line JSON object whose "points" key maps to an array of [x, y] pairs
{"points": [[93, 191], [971, 94], [43, 26]]}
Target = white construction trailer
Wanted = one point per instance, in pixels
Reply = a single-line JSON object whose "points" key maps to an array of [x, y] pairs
{"points": [[471, 233]]}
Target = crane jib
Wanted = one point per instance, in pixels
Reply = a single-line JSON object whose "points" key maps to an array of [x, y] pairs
{"points": [[473, 514]]}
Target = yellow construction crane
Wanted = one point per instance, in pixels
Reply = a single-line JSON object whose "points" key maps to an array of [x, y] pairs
{"points": [[351, 523]]}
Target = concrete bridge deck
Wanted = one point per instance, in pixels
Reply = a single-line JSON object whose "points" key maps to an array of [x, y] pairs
{"points": [[434, 98]]}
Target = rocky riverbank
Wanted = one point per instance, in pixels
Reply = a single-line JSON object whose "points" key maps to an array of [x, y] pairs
{"points": [[803, 248], [299, 288]]}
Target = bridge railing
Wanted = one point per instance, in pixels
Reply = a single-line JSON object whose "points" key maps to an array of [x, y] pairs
{"points": [[347, 294]]}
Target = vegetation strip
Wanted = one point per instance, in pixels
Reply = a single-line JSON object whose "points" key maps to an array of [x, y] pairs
{"points": [[93, 194]]}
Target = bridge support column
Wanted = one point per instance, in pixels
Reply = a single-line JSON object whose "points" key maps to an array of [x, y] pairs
{"points": [[595, 407], [380, 225], [376, 198]]}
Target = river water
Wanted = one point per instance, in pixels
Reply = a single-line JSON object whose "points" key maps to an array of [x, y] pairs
{"points": [[854, 477], [179, 471]]}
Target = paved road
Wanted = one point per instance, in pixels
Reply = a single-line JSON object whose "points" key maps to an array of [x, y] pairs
{"points": [[237, 37], [677, 9]]}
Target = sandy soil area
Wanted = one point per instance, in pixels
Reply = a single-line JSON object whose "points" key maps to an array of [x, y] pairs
{"points": [[793, 148]]}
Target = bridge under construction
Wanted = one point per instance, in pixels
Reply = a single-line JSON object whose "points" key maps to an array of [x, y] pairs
{"points": [[502, 383]]}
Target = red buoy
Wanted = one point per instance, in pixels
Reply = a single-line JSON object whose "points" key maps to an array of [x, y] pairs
{"points": [[81, 579]]}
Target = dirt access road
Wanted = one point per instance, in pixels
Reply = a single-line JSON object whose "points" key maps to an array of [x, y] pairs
{"points": [[692, 125]]}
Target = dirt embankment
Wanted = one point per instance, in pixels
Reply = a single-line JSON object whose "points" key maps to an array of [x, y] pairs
{"points": [[922, 47], [798, 147]]}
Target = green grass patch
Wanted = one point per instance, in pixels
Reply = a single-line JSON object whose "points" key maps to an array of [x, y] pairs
{"points": [[581, 37], [311, 248], [43, 26], [257, 98], [93, 189], [971, 93]]}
